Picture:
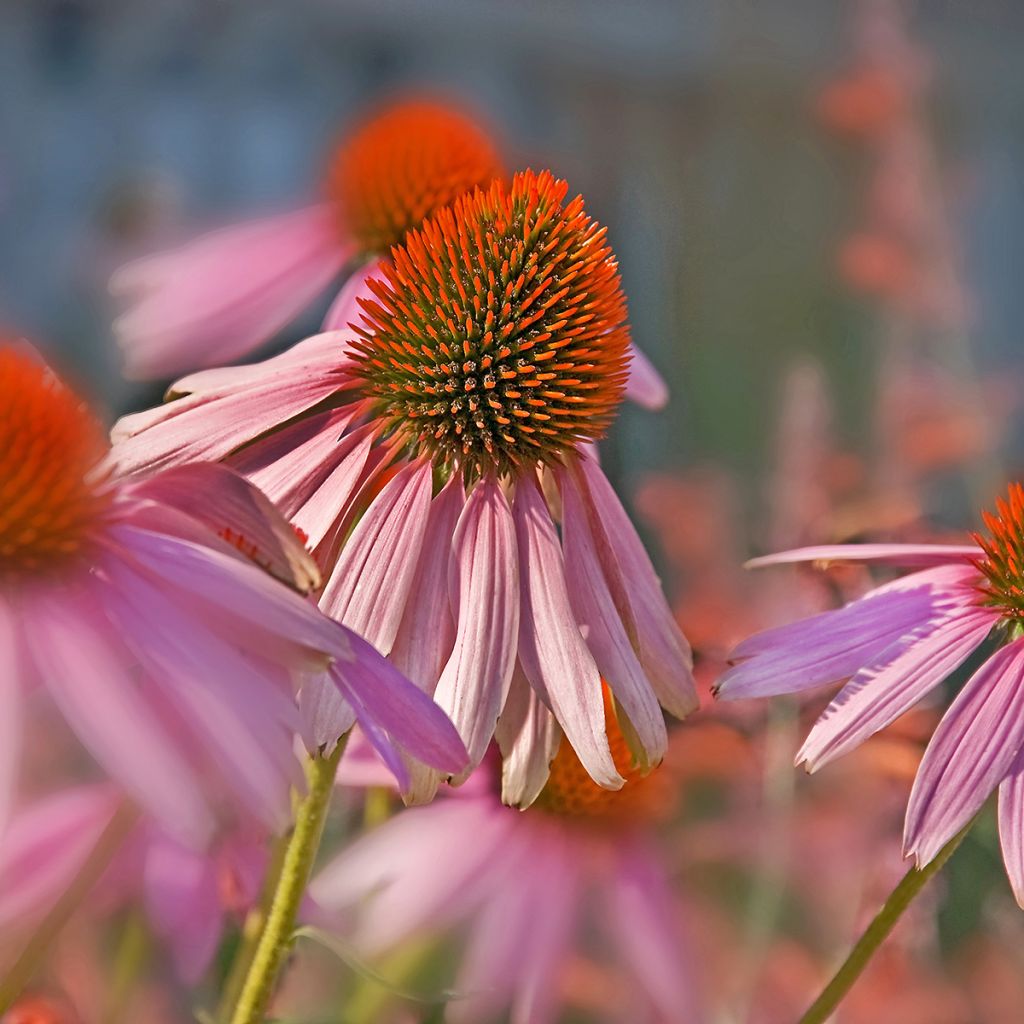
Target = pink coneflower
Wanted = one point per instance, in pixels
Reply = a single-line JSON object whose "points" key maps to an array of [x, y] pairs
{"points": [[218, 298], [428, 456], [962, 611], [139, 608], [524, 887]]}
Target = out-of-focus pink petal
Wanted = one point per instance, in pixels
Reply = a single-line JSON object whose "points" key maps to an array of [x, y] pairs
{"points": [[878, 694], [345, 308], [223, 295], [45, 846], [645, 385], [74, 649], [1011, 825], [551, 650], [880, 554], [10, 711], [528, 736], [484, 593], [233, 509], [642, 922], [970, 753], [593, 589], [183, 903], [370, 582]]}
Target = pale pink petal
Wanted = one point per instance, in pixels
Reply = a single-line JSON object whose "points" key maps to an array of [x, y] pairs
{"points": [[643, 922], [326, 715], [182, 898], [10, 711], [881, 554], [223, 295], [45, 846], [1011, 826], [645, 385], [660, 646], [551, 650], [970, 753], [878, 694], [370, 582], [528, 737], [597, 607], [484, 592], [75, 651], [234, 510], [345, 310]]}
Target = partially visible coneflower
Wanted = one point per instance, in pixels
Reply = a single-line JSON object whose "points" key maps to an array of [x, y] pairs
{"points": [[962, 611], [525, 887], [150, 614], [436, 458]]}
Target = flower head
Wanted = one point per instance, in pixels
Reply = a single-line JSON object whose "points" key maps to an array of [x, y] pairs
{"points": [[435, 458], [958, 614]]}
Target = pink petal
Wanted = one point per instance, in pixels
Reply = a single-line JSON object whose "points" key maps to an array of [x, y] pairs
{"points": [[368, 586], [528, 736], [75, 651], [182, 894], [45, 846], [551, 650], [882, 554], [971, 752], [10, 712], [645, 385], [484, 592], [660, 646], [326, 715], [877, 695], [1011, 826], [345, 310], [233, 509], [222, 296], [593, 593]]}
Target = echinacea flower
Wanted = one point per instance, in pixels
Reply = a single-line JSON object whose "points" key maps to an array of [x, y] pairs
{"points": [[961, 612], [150, 613], [523, 888], [221, 296], [428, 455]]}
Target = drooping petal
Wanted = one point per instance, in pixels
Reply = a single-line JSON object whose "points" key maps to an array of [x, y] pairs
{"points": [[878, 694], [1011, 826], [370, 582], [528, 736], [10, 712], [234, 510], [45, 846], [881, 554], [326, 715], [484, 593], [645, 385], [182, 897], [87, 677], [551, 649], [223, 295], [970, 753]]}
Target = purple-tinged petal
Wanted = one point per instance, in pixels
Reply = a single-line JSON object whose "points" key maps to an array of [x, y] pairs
{"points": [[10, 711], [1011, 826], [223, 295], [46, 845], [370, 582], [484, 592], [326, 715], [878, 694], [74, 650], [645, 385], [970, 753], [551, 649], [879, 554], [182, 897], [528, 736]]}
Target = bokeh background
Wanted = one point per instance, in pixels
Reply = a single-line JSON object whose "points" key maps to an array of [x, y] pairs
{"points": [[827, 273]]}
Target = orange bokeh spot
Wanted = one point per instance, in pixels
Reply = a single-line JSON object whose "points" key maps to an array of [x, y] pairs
{"points": [[877, 265], [38, 1010], [49, 442], [570, 792], [403, 165], [497, 337], [862, 104]]}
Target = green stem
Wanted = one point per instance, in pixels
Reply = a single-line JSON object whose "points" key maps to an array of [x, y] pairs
{"points": [[130, 957], [885, 920], [278, 930], [23, 969]]}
